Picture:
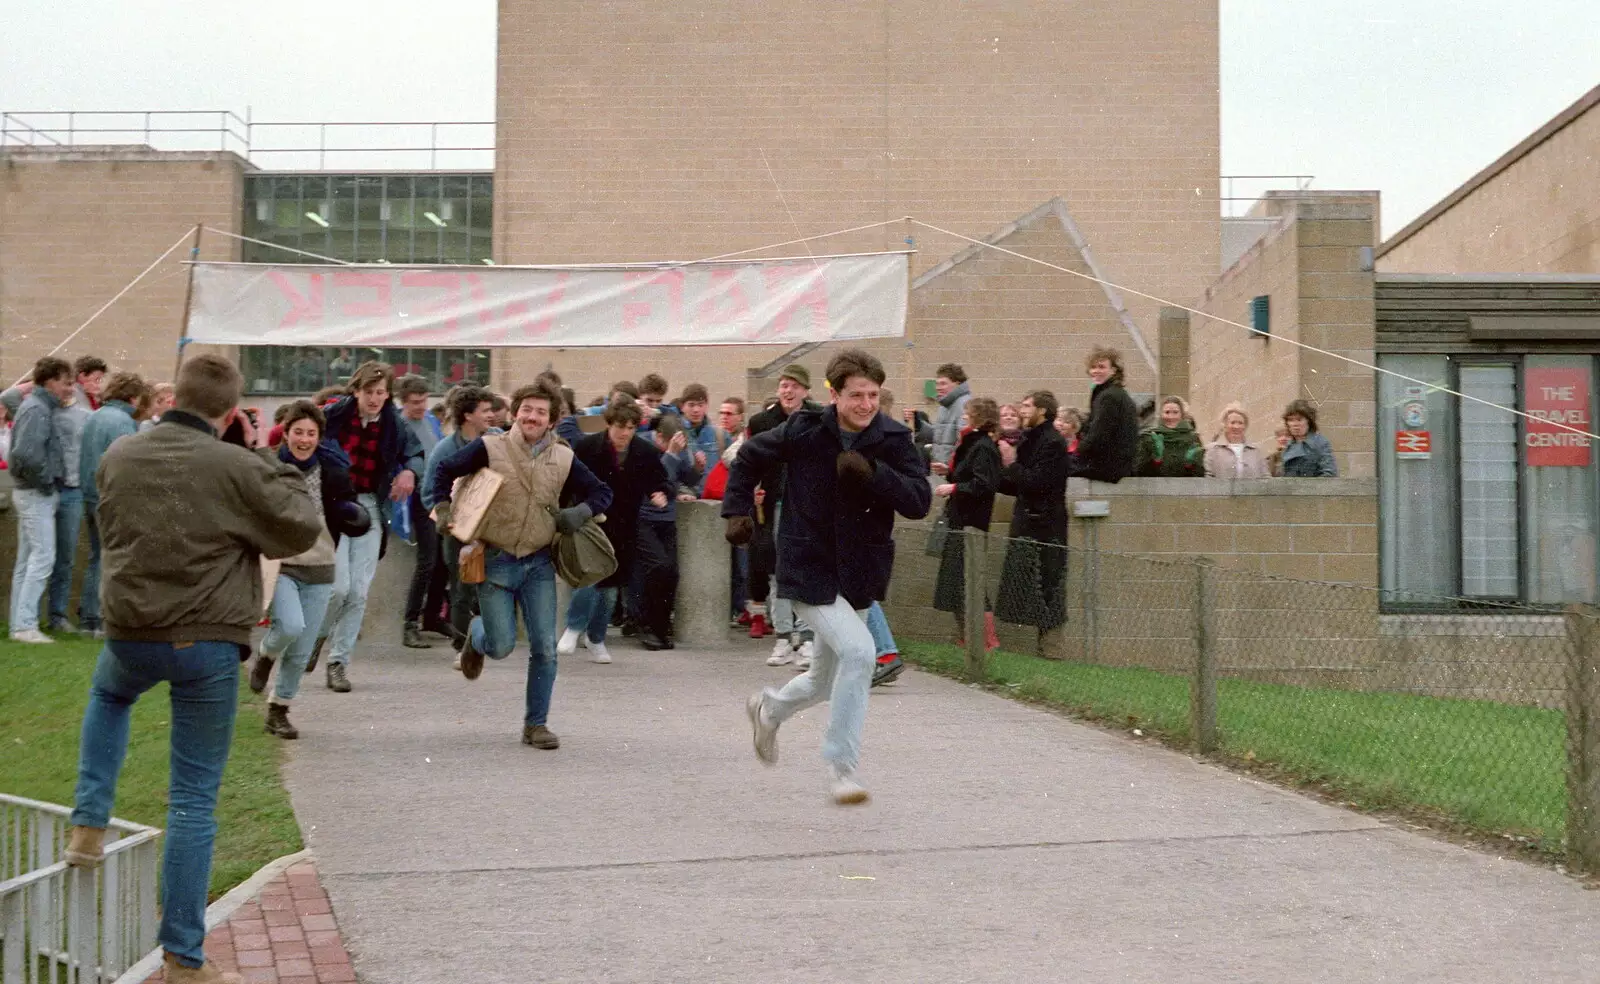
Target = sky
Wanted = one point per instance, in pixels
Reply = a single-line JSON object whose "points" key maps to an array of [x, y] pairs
{"points": [[1408, 97]]}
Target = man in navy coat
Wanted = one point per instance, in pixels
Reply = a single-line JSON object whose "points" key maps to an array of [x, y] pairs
{"points": [[849, 470]]}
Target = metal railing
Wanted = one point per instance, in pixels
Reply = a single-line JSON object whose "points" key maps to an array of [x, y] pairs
{"points": [[280, 146], [1240, 191], [72, 925]]}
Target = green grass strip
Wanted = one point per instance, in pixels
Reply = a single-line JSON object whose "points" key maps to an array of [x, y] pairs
{"points": [[1470, 764], [43, 690]]}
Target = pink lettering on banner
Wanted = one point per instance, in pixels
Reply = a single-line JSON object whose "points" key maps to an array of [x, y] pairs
{"points": [[636, 312], [813, 295], [436, 332], [725, 303], [520, 313], [381, 306], [1557, 396], [305, 307]]}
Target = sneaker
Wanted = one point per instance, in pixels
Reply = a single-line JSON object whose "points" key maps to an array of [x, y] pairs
{"points": [[337, 681], [847, 789], [598, 653], [888, 669], [759, 628], [471, 660], [804, 654], [411, 637], [85, 847], [782, 653], [540, 736], [260, 672], [458, 661], [652, 642], [762, 733], [742, 620], [30, 635], [206, 973], [568, 643]]}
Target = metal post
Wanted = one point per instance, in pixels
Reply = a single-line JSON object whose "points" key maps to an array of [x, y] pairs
{"points": [[433, 146], [974, 581], [188, 299], [1203, 683], [69, 130], [1091, 590], [1583, 739], [322, 145]]}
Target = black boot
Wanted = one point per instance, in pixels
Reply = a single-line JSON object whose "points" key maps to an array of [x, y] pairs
{"points": [[411, 637], [260, 670], [278, 722], [316, 654]]}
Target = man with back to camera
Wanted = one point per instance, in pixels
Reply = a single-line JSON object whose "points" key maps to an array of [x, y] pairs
{"points": [[184, 521], [848, 470]]}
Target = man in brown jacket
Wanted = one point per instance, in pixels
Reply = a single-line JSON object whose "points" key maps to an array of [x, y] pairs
{"points": [[184, 521]]}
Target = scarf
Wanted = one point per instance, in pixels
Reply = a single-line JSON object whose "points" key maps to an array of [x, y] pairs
{"points": [[287, 456]]}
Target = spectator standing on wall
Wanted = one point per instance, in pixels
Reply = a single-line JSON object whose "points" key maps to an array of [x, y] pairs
{"points": [[1033, 574], [426, 595], [1233, 455], [969, 504], [1172, 448], [38, 469], [126, 398], [1110, 438], [1309, 455], [950, 383]]}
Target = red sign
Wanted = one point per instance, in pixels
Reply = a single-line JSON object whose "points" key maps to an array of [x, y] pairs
{"points": [[1557, 396], [1413, 444]]}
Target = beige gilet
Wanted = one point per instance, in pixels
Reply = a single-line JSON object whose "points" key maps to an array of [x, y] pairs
{"points": [[519, 520]]}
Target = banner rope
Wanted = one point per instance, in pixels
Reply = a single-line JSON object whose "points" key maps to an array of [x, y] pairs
{"points": [[286, 249], [1431, 387]]}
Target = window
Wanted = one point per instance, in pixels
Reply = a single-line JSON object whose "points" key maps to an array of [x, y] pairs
{"points": [[1478, 503], [272, 370]]}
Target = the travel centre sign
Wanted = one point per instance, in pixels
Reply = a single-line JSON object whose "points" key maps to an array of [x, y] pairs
{"points": [[781, 302], [1557, 396]]}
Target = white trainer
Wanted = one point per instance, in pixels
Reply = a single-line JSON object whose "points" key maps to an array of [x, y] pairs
{"points": [[30, 635], [782, 653], [804, 654], [762, 732], [598, 653], [847, 789], [568, 643]]}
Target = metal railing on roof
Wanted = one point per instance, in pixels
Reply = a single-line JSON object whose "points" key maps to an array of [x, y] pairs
{"points": [[271, 145], [1240, 191]]}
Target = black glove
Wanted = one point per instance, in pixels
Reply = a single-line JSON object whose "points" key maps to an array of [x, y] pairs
{"points": [[854, 469], [572, 518], [741, 530], [352, 519]]}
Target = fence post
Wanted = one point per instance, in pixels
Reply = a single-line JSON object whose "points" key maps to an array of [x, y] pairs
{"points": [[1583, 739], [1203, 682], [975, 580]]}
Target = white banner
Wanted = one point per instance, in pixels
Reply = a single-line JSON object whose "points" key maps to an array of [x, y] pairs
{"points": [[786, 302]]}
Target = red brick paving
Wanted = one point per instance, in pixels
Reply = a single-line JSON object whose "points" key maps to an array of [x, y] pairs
{"points": [[286, 936]]}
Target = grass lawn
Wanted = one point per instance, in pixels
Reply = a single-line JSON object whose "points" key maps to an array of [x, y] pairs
{"points": [[43, 690], [1477, 765]]}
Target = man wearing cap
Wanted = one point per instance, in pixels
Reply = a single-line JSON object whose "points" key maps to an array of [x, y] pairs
{"points": [[794, 390]]}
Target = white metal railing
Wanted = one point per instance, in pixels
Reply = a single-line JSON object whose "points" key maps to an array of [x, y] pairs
{"points": [[71, 925]]}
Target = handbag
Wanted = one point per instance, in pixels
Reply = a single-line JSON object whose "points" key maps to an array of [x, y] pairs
{"points": [[471, 565], [939, 533], [584, 557]]}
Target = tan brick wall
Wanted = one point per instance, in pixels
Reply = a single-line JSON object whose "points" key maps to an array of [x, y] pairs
{"points": [[635, 130], [1539, 215], [75, 228]]}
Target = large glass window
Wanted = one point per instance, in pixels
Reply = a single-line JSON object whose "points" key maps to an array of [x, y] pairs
{"points": [[284, 371], [1479, 503]]}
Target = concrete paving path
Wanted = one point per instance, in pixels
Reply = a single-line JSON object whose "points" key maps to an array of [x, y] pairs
{"points": [[1003, 843]]}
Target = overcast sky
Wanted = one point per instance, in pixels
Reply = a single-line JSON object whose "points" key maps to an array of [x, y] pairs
{"points": [[1409, 97]]}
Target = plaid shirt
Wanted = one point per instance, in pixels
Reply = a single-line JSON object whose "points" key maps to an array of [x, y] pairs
{"points": [[361, 444]]}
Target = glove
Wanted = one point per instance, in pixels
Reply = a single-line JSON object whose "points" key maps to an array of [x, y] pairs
{"points": [[741, 529], [353, 520], [572, 518], [853, 469]]}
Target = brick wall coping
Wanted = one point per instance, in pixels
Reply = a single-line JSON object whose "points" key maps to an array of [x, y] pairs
{"points": [[120, 154], [1214, 488]]}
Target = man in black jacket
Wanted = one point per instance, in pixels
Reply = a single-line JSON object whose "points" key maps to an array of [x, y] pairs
{"points": [[777, 615], [1110, 438], [848, 470]]}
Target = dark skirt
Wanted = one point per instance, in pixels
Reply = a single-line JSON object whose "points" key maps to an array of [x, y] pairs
{"points": [[950, 588], [1033, 581]]}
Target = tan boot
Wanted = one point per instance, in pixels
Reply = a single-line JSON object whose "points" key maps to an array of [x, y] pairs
{"points": [[206, 973], [85, 847]]}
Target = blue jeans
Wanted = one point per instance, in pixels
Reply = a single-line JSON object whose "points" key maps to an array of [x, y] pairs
{"points": [[69, 520], [590, 611], [297, 613], [356, 564], [529, 583], [878, 625], [36, 554], [204, 679], [89, 597], [739, 590], [840, 673]]}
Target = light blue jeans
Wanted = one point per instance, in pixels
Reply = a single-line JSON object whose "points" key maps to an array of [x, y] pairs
{"points": [[89, 597], [841, 673], [36, 554], [69, 520], [297, 612], [878, 625], [354, 567], [204, 679], [529, 583], [590, 611]]}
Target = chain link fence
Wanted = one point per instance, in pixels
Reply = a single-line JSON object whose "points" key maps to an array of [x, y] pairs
{"points": [[1480, 718]]}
